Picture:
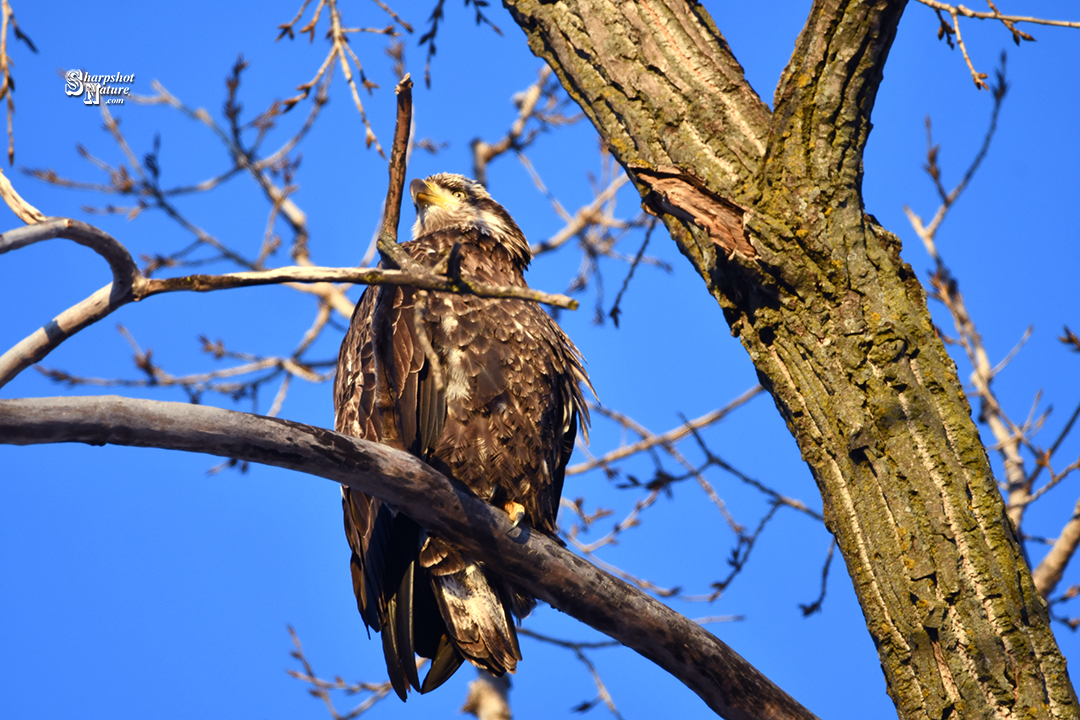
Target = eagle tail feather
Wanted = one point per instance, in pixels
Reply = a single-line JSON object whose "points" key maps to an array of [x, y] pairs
{"points": [[445, 663], [393, 661], [477, 619], [404, 645]]}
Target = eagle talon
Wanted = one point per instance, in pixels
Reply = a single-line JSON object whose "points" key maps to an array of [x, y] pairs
{"points": [[516, 511]]}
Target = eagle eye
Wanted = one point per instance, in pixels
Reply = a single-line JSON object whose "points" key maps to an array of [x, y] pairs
{"points": [[459, 194]]}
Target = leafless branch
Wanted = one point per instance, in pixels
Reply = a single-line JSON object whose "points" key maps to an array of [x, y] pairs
{"points": [[947, 30], [946, 289], [615, 310], [224, 380], [729, 685], [776, 497], [927, 233], [130, 285], [1019, 484], [321, 688], [595, 226], [602, 692], [244, 158], [663, 480], [995, 14], [814, 607], [670, 436], [1050, 570], [1047, 455], [631, 520], [516, 138], [1070, 338], [22, 209], [340, 52], [428, 38], [581, 220], [396, 18], [487, 697], [7, 82], [392, 254]]}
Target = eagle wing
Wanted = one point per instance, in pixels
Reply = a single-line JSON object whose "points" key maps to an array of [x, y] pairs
{"points": [[384, 392]]}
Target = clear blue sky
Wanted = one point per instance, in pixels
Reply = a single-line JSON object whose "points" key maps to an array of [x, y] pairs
{"points": [[132, 584]]}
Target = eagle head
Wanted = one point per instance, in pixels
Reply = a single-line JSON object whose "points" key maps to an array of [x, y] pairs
{"points": [[447, 202]]}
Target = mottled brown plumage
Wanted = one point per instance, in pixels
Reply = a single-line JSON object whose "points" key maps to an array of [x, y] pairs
{"points": [[504, 424]]}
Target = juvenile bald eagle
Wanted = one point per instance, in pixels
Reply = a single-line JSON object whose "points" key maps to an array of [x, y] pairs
{"points": [[504, 425]]}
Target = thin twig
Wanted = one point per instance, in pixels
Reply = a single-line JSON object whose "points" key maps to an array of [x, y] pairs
{"points": [[670, 436], [614, 313], [947, 30], [995, 15], [814, 607], [321, 688]]}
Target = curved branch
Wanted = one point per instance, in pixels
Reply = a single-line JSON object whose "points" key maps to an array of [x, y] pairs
{"points": [[727, 683], [24, 210], [125, 272], [103, 302]]}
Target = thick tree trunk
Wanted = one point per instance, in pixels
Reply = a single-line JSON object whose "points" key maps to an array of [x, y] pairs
{"points": [[768, 208]]}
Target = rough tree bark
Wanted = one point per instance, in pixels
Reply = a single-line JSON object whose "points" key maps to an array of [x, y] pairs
{"points": [[768, 209]]}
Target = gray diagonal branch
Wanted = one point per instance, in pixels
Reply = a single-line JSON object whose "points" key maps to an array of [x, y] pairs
{"points": [[727, 683]]}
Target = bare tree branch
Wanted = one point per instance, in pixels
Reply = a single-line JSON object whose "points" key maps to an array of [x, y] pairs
{"points": [[7, 82], [129, 284], [339, 50], [388, 244], [996, 15], [516, 138], [669, 437], [1048, 574], [727, 683], [24, 210], [947, 290], [947, 30], [321, 688]]}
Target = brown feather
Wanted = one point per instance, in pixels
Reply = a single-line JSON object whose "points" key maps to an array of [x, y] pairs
{"points": [[505, 426]]}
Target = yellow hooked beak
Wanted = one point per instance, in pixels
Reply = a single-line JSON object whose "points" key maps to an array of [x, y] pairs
{"points": [[424, 194]]}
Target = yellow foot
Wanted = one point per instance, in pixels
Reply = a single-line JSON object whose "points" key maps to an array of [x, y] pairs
{"points": [[516, 511]]}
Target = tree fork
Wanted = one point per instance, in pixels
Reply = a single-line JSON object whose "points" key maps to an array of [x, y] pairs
{"points": [[834, 321]]}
